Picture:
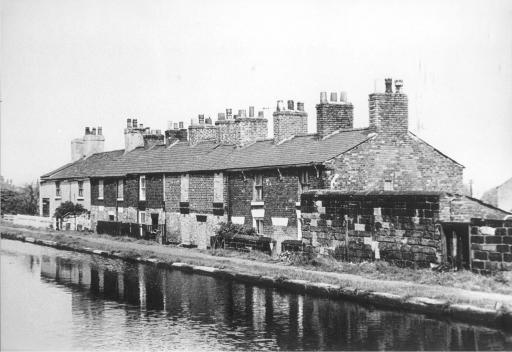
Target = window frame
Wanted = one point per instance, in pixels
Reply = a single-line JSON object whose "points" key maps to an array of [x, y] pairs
{"points": [[142, 189], [257, 194], [304, 183], [388, 185], [120, 184], [259, 226], [80, 189], [100, 189], [58, 190]]}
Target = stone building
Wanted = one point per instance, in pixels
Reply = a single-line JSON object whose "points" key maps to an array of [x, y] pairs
{"points": [[191, 179], [500, 196]]}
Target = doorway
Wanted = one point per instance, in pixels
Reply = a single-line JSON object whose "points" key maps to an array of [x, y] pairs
{"points": [[46, 207], [456, 247]]}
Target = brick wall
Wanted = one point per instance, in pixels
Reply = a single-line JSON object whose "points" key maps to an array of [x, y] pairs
{"points": [[198, 133], [201, 193], [491, 245], [332, 117], [289, 123], [251, 129], [396, 228], [407, 162], [109, 192], [229, 133], [131, 191], [172, 193], [154, 191]]}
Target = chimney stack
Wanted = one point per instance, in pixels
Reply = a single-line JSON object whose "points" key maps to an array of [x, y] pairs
{"points": [[181, 124], [251, 111], [289, 122], [87, 131], [94, 131], [201, 119], [261, 114], [135, 123], [229, 114], [332, 116], [221, 116], [389, 112]]}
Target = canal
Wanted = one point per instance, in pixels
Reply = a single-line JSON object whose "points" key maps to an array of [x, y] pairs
{"points": [[58, 300]]}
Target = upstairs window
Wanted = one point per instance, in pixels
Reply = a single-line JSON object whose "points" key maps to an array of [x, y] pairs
{"points": [[388, 185], [80, 189], [57, 189], [100, 189], [258, 188], [142, 188], [120, 189], [303, 181]]}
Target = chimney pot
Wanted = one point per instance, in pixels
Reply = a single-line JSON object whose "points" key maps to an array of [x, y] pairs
{"points": [[221, 116], [229, 114], [291, 105], [158, 132], [334, 97], [94, 130], [242, 113], [343, 97], [323, 98], [100, 131], [87, 130], [251, 111], [398, 86], [134, 121], [175, 126], [280, 105], [300, 106], [388, 82], [129, 123], [181, 124], [208, 120], [201, 119], [141, 126], [260, 114]]}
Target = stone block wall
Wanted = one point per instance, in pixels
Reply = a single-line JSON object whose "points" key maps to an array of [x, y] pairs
{"points": [[491, 245], [397, 228], [405, 164]]}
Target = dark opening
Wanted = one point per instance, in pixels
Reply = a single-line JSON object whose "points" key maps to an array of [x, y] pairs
{"points": [[46, 207], [457, 244], [154, 220]]}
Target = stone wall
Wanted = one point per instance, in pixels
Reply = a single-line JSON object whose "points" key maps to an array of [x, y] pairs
{"points": [[458, 208], [396, 228], [404, 164], [491, 245]]}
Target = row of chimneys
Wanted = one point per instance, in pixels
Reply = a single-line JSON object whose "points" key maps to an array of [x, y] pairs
{"points": [[388, 114], [92, 131]]}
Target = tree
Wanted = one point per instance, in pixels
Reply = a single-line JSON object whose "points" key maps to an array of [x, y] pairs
{"points": [[68, 209], [20, 200]]}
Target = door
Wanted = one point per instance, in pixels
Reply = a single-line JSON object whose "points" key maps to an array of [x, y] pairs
{"points": [[46, 207], [154, 221], [456, 237]]}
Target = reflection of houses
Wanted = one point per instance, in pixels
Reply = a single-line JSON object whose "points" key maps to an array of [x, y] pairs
{"points": [[189, 180], [500, 196]]}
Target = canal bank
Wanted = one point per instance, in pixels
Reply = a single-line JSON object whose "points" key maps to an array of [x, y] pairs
{"points": [[485, 308]]}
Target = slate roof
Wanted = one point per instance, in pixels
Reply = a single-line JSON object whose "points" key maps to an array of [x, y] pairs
{"points": [[210, 156]]}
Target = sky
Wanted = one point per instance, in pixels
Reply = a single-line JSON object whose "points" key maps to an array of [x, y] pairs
{"points": [[68, 64]]}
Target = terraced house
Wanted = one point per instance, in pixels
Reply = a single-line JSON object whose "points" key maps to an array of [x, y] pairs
{"points": [[187, 181]]}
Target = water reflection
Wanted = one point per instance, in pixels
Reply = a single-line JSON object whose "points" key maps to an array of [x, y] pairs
{"points": [[119, 305]]}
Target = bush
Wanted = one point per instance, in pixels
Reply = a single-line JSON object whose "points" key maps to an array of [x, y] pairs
{"points": [[238, 237], [228, 230]]}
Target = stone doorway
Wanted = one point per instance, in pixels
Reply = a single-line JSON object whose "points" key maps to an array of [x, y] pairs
{"points": [[456, 244]]}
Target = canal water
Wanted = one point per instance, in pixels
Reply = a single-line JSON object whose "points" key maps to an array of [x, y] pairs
{"points": [[58, 300]]}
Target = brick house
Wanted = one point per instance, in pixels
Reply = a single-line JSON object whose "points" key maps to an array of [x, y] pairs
{"points": [[190, 180]]}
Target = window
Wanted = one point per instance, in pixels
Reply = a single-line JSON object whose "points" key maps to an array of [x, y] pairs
{"points": [[303, 181], [259, 226], [388, 185], [142, 188], [100, 189], [142, 218], [57, 189], [258, 188], [80, 189], [120, 189]]}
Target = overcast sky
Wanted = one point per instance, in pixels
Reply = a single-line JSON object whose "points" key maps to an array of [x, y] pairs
{"points": [[70, 64]]}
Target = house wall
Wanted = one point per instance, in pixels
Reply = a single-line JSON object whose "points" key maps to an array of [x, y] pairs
{"points": [[400, 229], [458, 208], [409, 163], [69, 192], [280, 199]]}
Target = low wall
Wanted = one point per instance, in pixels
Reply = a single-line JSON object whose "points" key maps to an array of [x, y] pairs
{"points": [[398, 228], [30, 220], [491, 245]]}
